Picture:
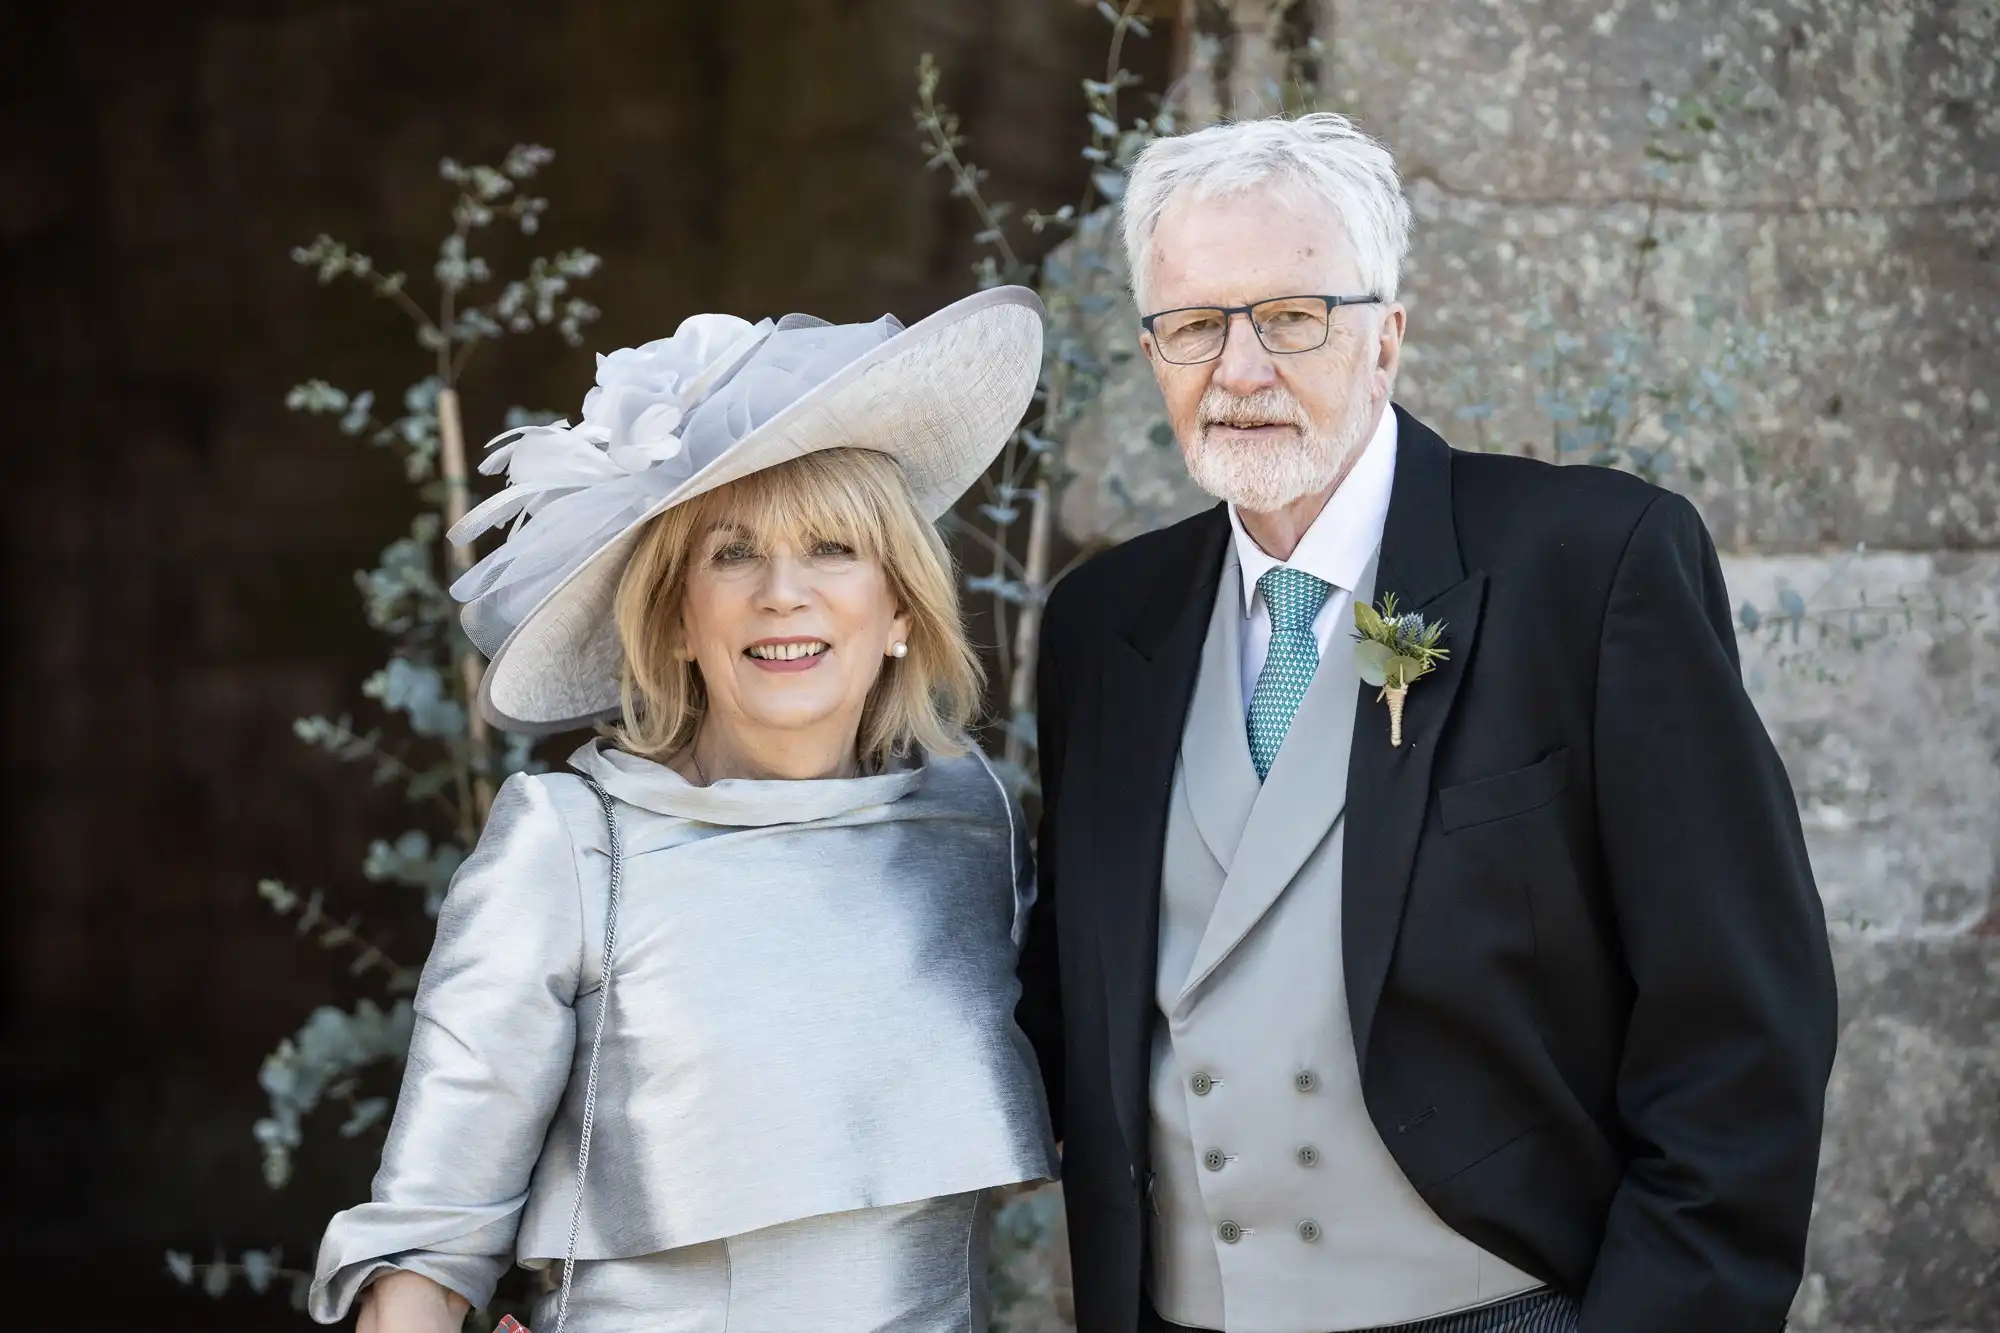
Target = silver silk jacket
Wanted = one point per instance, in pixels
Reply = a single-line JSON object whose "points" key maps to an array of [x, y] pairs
{"points": [[812, 1013]]}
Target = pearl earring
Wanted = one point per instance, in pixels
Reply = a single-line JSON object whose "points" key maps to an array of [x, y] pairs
{"points": [[899, 649]]}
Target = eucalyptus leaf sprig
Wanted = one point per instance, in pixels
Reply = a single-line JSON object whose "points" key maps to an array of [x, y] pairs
{"points": [[1392, 650]]}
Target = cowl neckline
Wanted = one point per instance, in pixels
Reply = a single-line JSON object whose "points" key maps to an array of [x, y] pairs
{"points": [[739, 802]]}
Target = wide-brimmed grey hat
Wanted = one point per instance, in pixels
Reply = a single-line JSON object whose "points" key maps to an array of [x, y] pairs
{"points": [[676, 418]]}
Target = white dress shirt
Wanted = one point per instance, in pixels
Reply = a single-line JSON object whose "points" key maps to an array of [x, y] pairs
{"points": [[1336, 549]]}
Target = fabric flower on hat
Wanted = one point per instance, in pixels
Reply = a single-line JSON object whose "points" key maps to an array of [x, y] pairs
{"points": [[659, 414], [631, 422], [643, 393]]}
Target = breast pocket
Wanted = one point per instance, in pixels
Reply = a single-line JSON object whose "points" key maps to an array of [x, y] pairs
{"points": [[1515, 792]]}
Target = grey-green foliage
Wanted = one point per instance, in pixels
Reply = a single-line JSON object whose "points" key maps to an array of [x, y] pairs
{"points": [[323, 1063], [1011, 525], [1641, 386], [1672, 393], [1805, 634], [1022, 1273], [1021, 491], [342, 1058], [258, 1270]]}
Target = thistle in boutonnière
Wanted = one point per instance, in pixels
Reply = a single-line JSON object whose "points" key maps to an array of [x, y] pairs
{"points": [[1394, 650]]}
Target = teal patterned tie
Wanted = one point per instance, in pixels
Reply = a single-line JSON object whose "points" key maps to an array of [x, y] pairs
{"points": [[1294, 599]]}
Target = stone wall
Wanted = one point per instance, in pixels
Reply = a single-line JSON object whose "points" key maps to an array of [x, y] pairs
{"points": [[1894, 748], [1839, 224]]}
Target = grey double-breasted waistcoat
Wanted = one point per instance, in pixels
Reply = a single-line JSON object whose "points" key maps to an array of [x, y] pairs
{"points": [[1276, 1206], [812, 1014]]}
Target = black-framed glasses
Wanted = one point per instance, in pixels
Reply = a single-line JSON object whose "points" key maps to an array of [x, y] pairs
{"points": [[1285, 325]]}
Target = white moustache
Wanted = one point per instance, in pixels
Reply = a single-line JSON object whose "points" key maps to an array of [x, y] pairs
{"points": [[1262, 409]]}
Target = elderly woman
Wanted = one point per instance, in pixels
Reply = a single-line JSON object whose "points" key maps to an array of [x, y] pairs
{"points": [[717, 1030]]}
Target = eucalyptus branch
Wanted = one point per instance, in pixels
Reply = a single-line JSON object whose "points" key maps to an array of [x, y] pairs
{"points": [[334, 260], [1845, 621], [356, 413], [447, 306], [940, 126], [336, 1052], [1104, 124], [1031, 478], [343, 742], [983, 539], [259, 1270], [310, 910], [1002, 559]]}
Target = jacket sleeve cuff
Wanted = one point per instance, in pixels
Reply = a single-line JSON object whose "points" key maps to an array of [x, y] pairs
{"points": [[464, 1249]]}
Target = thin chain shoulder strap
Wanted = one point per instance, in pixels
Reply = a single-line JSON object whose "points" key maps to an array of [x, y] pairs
{"points": [[1006, 808], [605, 799], [1019, 930]]}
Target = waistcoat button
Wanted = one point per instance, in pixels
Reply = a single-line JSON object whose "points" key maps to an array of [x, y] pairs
{"points": [[1213, 1159], [1308, 1156], [1230, 1233], [1305, 1080], [1202, 1085], [1308, 1231]]}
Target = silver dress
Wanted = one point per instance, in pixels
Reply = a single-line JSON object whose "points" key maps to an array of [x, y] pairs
{"points": [[810, 1064]]}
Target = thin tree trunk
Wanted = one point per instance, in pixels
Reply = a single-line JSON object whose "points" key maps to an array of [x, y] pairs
{"points": [[1241, 59], [451, 436], [1263, 65], [1027, 633]]}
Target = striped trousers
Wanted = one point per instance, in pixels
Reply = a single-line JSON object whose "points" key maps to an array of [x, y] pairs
{"points": [[1543, 1311]]}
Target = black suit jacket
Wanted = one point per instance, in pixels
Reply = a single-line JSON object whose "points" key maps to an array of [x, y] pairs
{"points": [[1586, 963]]}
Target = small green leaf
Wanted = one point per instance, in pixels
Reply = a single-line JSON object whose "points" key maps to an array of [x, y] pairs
{"points": [[366, 1114], [1372, 660], [1369, 623], [1402, 670]]}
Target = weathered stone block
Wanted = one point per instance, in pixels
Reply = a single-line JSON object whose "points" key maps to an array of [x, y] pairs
{"points": [[1844, 206], [1883, 693], [1906, 1226]]}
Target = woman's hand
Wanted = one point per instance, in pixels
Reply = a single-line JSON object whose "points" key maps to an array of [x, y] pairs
{"points": [[405, 1302]]}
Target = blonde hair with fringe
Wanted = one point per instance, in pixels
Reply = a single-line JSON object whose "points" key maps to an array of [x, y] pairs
{"points": [[858, 497]]}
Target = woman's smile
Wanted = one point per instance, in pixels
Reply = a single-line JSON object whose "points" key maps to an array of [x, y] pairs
{"points": [[788, 656]]}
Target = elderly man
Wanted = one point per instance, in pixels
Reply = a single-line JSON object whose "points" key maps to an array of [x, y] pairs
{"points": [[1473, 981]]}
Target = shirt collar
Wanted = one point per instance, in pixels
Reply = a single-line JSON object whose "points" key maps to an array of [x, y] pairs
{"points": [[1344, 536]]}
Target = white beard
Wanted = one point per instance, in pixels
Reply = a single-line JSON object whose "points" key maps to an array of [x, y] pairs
{"points": [[1263, 476]]}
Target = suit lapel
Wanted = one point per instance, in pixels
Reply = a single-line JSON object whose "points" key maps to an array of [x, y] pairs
{"points": [[1388, 787], [1215, 748], [1298, 804], [1149, 674]]}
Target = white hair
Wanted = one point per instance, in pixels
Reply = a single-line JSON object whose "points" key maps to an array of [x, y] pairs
{"points": [[1322, 155]]}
